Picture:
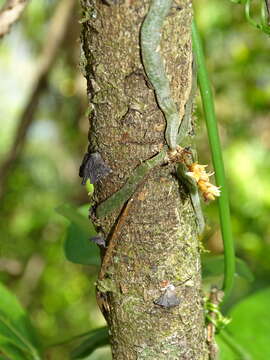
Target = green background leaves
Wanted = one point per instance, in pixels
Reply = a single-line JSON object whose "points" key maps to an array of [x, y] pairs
{"points": [[17, 336]]}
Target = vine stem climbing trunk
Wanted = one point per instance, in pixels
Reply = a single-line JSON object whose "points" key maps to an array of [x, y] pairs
{"points": [[149, 287]]}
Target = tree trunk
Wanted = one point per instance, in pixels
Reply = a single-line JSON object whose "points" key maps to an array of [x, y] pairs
{"points": [[153, 236]]}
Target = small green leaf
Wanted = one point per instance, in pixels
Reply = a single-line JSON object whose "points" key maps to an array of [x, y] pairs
{"points": [[89, 187], [17, 334], [250, 325], [95, 339], [214, 266], [74, 216], [78, 247]]}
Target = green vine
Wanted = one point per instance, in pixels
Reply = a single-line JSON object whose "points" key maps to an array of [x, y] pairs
{"points": [[211, 123], [223, 200], [213, 315], [263, 25]]}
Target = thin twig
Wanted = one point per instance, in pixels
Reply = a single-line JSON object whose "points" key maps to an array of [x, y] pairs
{"points": [[10, 13], [55, 36]]}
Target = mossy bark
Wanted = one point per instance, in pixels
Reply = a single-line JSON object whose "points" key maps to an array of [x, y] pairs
{"points": [[157, 242]]}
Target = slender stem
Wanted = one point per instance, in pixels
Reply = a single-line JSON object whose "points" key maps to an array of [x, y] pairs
{"points": [[223, 200], [236, 348], [121, 196], [263, 25]]}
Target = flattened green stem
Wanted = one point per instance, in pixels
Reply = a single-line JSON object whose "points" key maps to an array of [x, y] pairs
{"points": [[121, 196], [182, 169], [185, 125], [155, 69], [223, 200]]}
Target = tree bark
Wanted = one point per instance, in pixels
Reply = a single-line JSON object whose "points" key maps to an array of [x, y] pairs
{"points": [[154, 234]]}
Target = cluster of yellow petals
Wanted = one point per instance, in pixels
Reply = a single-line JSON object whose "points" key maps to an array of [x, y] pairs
{"points": [[198, 173]]}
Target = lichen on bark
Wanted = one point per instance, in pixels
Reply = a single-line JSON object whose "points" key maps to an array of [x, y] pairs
{"points": [[157, 241]]}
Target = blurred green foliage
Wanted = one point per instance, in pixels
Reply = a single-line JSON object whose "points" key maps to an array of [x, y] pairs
{"points": [[237, 58], [59, 295]]}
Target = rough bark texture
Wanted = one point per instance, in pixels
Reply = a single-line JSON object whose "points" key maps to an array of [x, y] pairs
{"points": [[157, 241]]}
